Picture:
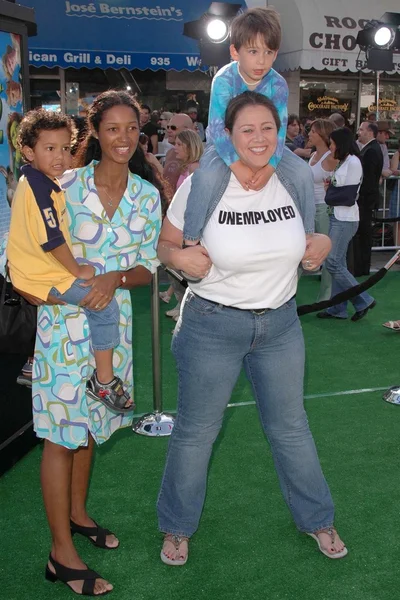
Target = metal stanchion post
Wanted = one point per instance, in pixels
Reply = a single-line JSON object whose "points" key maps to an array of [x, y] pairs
{"points": [[392, 395], [157, 423]]}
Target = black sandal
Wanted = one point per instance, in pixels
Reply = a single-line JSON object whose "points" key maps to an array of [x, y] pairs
{"points": [[65, 575], [112, 394], [99, 532]]}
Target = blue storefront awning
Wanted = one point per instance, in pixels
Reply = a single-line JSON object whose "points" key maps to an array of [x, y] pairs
{"points": [[117, 34]]}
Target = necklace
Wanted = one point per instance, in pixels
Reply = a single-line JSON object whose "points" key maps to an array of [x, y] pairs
{"points": [[248, 82], [110, 202]]}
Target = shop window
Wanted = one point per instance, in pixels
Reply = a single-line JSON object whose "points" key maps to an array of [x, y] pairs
{"points": [[320, 97]]}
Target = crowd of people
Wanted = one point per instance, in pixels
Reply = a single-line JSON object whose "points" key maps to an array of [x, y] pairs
{"points": [[237, 217]]}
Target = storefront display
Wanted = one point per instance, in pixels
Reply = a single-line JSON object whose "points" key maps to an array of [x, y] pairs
{"points": [[11, 108]]}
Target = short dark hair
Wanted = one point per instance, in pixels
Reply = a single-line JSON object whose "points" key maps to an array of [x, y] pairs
{"points": [[249, 99], [36, 121], [344, 142], [143, 139], [292, 118], [372, 127], [145, 107], [257, 21]]}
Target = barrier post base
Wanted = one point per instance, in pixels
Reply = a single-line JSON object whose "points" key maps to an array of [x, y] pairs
{"points": [[392, 395], [154, 424]]}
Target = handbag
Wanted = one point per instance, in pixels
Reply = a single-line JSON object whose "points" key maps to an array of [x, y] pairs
{"points": [[17, 322]]}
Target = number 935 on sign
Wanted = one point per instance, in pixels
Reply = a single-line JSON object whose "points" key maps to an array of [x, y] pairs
{"points": [[160, 61]]}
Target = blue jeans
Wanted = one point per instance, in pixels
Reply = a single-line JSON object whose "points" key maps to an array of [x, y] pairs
{"points": [[211, 345], [341, 233], [210, 180], [103, 324], [322, 226]]}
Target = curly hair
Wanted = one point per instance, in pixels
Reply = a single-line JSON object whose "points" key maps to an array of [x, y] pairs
{"points": [[36, 121], [91, 150]]}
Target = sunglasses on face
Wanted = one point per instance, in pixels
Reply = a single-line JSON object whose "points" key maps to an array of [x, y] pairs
{"points": [[173, 127]]}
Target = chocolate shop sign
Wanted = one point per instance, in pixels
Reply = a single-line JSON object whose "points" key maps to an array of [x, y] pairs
{"points": [[328, 103]]}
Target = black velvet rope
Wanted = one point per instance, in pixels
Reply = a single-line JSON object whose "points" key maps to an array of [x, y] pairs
{"points": [[387, 220], [305, 309]]}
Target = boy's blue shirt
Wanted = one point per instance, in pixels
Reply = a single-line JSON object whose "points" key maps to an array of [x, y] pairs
{"points": [[227, 84]]}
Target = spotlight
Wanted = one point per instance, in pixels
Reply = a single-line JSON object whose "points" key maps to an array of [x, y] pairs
{"points": [[384, 37], [379, 39], [212, 31], [128, 88], [217, 31]]}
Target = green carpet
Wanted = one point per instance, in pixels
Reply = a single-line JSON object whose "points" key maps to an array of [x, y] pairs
{"points": [[247, 546]]}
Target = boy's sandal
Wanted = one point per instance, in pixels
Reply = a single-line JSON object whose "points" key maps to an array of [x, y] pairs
{"points": [[110, 394], [93, 532], [176, 540], [66, 575], [394, 325], [331, 531]]}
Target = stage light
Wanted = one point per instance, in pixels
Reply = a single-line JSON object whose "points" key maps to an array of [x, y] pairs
{"points": [[379, 39], [128, 88], [217, 31], [384, 36], [212, 31]]}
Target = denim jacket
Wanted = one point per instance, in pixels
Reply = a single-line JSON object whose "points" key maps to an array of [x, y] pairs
{"points": [[295, 176]]}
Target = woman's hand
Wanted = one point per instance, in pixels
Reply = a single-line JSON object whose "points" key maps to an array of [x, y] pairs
{"points": [[317, 249], [194, 261], [102, 289]]}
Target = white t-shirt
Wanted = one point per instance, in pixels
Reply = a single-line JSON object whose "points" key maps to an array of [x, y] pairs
{"points": [[349, 173], [255, 240]]}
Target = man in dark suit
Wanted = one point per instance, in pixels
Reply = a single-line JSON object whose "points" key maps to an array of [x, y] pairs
{"points": [[372, 163]]}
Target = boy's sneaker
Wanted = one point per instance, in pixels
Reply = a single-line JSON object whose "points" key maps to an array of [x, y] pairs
{"points": [[110, 394], [25, 377]]}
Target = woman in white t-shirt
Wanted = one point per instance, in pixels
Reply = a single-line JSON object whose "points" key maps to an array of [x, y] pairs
{"points": [[343, 225], [242, 314], [322, 164]]}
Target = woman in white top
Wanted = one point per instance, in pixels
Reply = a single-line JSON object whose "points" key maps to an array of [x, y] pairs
{"points": [[322, 165], [242, 314], [344, 222]]}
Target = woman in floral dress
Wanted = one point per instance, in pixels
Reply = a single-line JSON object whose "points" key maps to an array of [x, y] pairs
{"points": [[114, 219]]}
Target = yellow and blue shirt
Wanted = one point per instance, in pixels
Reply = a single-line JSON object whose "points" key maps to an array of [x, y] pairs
{"points": [[38, 224]]}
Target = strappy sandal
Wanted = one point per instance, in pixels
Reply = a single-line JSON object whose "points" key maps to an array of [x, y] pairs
{"points": [[65, 575], [111, 394], [331, 531], [176, 540], [98, 532], [393, 325]]}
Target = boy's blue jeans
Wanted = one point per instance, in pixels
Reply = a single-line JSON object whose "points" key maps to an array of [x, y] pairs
{"points": [[103, 324], [211, 346], [209, 182]]}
